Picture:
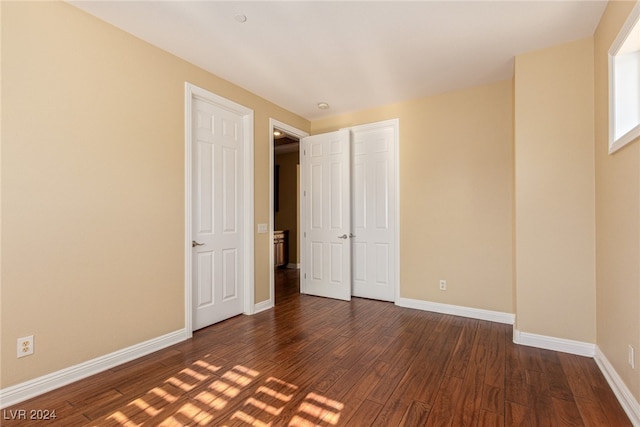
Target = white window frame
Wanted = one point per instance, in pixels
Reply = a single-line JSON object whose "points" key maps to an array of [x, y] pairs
{"points": [[633, 134]]}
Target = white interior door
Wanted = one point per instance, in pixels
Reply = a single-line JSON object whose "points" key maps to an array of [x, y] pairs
{"points": [[326, 270], [217, 224], [374, 204]]}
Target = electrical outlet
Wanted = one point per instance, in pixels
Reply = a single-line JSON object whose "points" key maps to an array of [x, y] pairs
{"points": [[632, 357], [443, 285], [25, 346]]}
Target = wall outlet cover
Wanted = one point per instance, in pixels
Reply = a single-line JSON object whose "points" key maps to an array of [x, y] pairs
{"points": [[25, 346]]}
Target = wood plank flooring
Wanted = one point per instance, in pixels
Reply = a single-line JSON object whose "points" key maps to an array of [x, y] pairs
{"points": [[319, 362]]}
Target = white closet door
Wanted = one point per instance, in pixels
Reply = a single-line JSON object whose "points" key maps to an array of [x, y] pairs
{"points": [[374, 202], [326, 270]]}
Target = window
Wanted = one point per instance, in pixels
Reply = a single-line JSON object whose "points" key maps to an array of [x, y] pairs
{"points": [[624, 84]]}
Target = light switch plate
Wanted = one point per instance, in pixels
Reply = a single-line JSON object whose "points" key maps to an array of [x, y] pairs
{"points": [[263, 228]]}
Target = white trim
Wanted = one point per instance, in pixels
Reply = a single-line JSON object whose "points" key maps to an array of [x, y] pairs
{"points": [[563, 345], [262, 306], [273, 123], [633, 134], [628, 137], [396, 125], [37, 386], [188, 313], [457, 310], [249, 250], [624, 395], [191, 91], [302, 252]]}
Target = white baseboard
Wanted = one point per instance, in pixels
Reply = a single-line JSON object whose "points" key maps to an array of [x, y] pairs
{"points": [[457, 310], [579, 348], [37, 386], [625, 397], [262, 306]]}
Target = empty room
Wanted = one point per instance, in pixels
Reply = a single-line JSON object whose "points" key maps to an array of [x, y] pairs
{"points": [[323, 213]]}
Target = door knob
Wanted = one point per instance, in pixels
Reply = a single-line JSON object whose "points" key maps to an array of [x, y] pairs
{"points": [[344, 236], [194, 244]]}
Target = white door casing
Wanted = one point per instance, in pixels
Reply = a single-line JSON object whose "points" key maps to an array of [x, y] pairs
{"points": [[374, 201], [273, 124], [219, 282], [325, 180]]}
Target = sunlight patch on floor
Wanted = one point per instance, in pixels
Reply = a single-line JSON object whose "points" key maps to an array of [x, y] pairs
{"points": [[248, 419], [145, 407], [207, 366], [163, 394], [316, 408], [187, 411], [206, 392], [272, 410], [121, 419], [187, 379]]}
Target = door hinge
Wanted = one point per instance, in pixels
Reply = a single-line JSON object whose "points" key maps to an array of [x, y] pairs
{"points": [[305, 234], [305, 275]]}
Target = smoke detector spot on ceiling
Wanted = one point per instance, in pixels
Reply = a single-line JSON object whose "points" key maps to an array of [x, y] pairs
{"points": [[241, 18], [323, 105]]}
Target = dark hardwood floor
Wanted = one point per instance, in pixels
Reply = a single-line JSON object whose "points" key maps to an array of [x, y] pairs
{"points": [[314, 361]]}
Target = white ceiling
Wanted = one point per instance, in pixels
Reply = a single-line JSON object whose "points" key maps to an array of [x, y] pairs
{"points": [[352, 55]]}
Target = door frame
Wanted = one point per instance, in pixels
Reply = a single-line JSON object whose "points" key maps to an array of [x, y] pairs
{"points": [[273, 123], [192, 92]]}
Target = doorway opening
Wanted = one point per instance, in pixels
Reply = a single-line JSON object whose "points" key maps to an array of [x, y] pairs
{"points": [[284, 210]]}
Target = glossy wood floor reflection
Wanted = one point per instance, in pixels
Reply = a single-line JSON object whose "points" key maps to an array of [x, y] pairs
{"points": [[314, 361]]}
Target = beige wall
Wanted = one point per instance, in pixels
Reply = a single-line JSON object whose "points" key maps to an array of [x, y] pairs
{"points": [[555, 193], [617, 221], [93, 186], [456, 194], [287, 216]]}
